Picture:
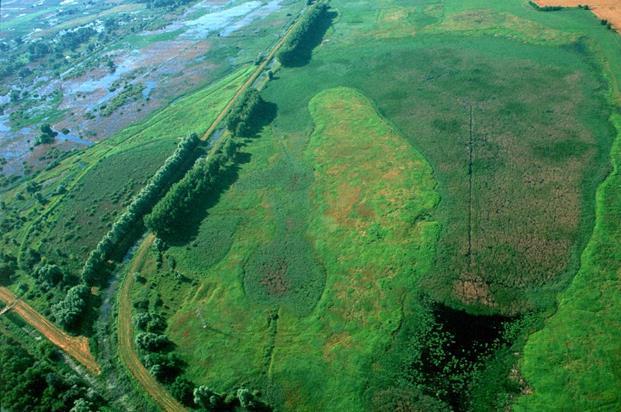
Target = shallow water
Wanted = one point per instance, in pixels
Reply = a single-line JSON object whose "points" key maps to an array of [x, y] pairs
{"points": [[149, 85], [259, 13], [211, 22], [4, 125], [73, 138]]}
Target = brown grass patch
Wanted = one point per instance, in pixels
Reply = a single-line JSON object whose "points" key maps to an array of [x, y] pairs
{"points": [[275, 277], [340, 339], [473, 291]]}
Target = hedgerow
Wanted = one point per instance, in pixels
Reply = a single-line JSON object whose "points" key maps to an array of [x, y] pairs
{"points": [[177, 202], [240, 120], [299, 39], [140, 205]]}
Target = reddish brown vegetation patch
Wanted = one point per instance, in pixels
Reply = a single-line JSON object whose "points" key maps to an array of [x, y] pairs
{"points": [[275, 277]]}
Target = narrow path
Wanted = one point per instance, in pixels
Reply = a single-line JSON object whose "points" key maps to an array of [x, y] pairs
{"points": [[75, 346], [127, 350], [253, 77], [470, 179]]}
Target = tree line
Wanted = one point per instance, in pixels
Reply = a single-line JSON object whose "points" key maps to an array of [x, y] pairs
{"points": [[302, 34], [177, 202], [242, 118], [127, 223]]}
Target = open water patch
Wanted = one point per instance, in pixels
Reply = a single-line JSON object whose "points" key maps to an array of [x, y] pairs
{"points": [[456, 347]]}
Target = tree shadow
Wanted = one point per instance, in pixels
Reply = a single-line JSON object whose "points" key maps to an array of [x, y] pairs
{"points": [[313, 38], [264, 114], [187, 229]]}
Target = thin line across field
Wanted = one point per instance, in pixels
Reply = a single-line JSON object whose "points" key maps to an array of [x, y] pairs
{"points": [[604, 9]]}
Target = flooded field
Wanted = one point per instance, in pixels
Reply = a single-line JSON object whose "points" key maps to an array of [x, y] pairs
{"points": [[103, 92]]}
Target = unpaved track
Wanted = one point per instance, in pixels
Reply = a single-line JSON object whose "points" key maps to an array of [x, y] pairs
{"points": [[604, 9], [74, 346], [127, 351], [242, 89]]}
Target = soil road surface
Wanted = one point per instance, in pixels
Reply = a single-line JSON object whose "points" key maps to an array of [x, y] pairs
{"points": [[127, 351], [74, 346]]}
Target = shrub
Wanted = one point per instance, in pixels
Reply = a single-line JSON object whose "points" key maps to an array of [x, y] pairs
{"points": [[247, 399], [183, 390], [69, 311], [8, 265], [152, 342], [47, 135], [544, 8], [206, 398], [49, 273], [150, 322]]}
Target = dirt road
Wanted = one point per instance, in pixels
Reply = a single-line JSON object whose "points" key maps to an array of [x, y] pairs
{"points": [[127, 350], [74, 346], [604, 9]]}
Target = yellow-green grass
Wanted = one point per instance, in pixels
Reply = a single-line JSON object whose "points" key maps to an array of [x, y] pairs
{"points": [[363, 218], [574, 362], [101, 179], [370, 190]]}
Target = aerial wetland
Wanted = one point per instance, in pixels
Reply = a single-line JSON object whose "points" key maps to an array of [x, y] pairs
{"points": [[321, 205]]}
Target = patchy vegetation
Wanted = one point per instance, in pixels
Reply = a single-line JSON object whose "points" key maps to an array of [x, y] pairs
{"points": [[412, 209], [38, 382]]}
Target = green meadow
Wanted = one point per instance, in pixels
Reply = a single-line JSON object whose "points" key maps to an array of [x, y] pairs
{"points": [[425, 218], [430, 155], [295, 268]]}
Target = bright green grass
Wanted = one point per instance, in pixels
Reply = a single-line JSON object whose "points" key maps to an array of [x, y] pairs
{"points": [[534, 91], [574, 363], [101, 180], [139, 41], [20, 23], [364, 233], [191, 113]]}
